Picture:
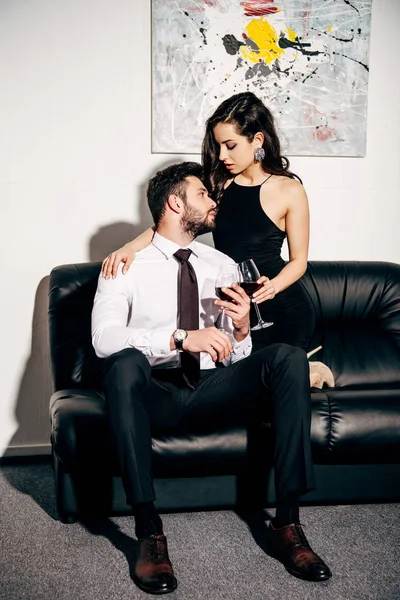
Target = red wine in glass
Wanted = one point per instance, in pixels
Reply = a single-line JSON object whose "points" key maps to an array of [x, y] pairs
{"points": [[221, 295], [250, 275], [250, 287]]}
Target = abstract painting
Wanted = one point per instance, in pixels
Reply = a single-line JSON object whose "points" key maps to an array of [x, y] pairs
{"points": [[308, 60]]}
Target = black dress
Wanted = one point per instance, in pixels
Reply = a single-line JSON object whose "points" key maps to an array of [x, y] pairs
{"points": [[243, 230]]}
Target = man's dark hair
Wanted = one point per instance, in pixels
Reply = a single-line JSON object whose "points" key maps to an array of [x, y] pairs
{"points": [[171, 180]]}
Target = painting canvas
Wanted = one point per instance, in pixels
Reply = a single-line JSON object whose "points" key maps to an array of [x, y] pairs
{"points": [[308, 60]]}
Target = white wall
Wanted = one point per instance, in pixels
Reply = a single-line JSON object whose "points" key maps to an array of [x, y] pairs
{"points": [[75, 156]]}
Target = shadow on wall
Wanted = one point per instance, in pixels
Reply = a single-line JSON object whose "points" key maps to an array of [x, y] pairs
{"points": [[111, 237], [32, 402]]}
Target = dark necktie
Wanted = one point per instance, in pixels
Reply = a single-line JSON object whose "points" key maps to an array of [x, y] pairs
{"points": [[188, 314]]}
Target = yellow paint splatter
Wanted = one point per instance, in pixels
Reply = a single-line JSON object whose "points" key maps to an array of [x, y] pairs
{"points": [[266, 38], [292, 35]]}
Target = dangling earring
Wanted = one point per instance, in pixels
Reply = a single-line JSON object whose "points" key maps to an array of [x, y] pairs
{"points": [[259, 154]]}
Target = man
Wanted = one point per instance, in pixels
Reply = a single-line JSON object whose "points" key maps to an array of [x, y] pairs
{"points": [[154, 326]]}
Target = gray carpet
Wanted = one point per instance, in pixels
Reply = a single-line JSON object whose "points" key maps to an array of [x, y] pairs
{"points": [[216, 555]]}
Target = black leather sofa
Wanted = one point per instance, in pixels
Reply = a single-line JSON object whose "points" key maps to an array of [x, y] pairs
{"points": [[355, 426]]}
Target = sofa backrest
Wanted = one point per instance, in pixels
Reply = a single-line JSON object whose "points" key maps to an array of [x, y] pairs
{"points": [[357, 310], [71, 292], [357, 307]]}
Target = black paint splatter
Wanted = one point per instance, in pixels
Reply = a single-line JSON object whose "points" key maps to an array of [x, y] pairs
{"points": [[353, 59], [203, 33], [278, 70], [201, 29], [333, 36], [231, 44], [310, 74], [297, 45], [350, 4]]}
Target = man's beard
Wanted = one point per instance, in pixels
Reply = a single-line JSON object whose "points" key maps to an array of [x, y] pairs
{"points": [[196, 223]]}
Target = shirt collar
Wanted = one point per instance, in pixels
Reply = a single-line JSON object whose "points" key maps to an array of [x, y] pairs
{"points": [[168, 248]]}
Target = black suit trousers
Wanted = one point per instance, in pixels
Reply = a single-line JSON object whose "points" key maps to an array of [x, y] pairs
{"points": [[141, 400]]}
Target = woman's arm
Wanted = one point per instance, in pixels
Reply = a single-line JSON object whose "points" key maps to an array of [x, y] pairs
{"points": [[126, 254], [297, 224]]}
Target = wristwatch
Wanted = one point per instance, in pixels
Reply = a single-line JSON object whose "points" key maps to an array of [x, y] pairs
{"points": [[179, 336]]}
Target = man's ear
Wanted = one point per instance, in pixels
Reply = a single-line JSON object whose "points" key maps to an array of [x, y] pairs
{"points": [[175, 203]]}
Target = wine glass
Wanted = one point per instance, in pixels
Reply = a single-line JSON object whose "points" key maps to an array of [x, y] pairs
{"points": [[250, 274], [228, 273]]}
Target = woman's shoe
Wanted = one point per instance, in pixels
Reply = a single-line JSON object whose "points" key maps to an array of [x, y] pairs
{"points": [[320, 373], [318, 368]]}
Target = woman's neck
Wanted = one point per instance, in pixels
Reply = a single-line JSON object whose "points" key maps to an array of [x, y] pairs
{"points": [[253, 175]]}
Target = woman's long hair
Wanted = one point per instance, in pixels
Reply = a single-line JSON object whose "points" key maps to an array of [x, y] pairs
{"points": [[249, 115]]}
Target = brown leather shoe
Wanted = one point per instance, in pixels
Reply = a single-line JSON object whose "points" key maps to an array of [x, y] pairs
{"points": [[290, 546], [153, 570]]}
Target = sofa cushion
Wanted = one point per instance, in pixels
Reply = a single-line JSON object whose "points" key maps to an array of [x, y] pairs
{"points": [[364, 426], [80, 440]]}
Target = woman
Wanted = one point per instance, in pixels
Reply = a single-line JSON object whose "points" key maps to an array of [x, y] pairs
{"points": [[260, 203]]}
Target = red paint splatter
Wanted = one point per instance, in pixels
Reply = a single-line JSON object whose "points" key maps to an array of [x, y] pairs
{"points": [[257, 8], [324, 133], [312, 116]]}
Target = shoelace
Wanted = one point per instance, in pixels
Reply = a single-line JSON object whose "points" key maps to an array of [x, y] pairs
{"points": [[298, 536], [156, 550]]}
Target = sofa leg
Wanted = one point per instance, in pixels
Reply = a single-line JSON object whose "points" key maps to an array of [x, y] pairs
{"points": [[67, 519], [66, 501]]}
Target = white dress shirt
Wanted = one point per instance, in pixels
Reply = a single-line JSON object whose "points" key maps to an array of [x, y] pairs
{"points": [[139, 309]]}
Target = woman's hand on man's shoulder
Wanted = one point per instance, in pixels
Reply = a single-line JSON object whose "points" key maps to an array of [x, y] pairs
{"points": [[109, 267]]}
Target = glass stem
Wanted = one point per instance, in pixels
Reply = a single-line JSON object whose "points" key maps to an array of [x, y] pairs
{"points": [[219, 320], [258, 313]]}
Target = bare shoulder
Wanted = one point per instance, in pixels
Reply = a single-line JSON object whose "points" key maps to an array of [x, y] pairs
{"points": [[283, 191], [289, 185], [292, 190]]}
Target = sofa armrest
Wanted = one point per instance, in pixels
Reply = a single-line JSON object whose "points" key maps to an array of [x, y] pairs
{"points": [[79, 433]]}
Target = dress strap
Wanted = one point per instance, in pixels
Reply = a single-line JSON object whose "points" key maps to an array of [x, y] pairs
{"points": [[265, 180]]}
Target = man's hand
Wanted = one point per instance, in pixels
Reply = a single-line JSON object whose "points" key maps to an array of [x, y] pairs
{"points": [[211, 340], [238, 310]]}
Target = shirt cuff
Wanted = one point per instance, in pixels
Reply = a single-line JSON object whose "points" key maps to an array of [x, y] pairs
{"points": [[239, 348], [161, 342]]}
